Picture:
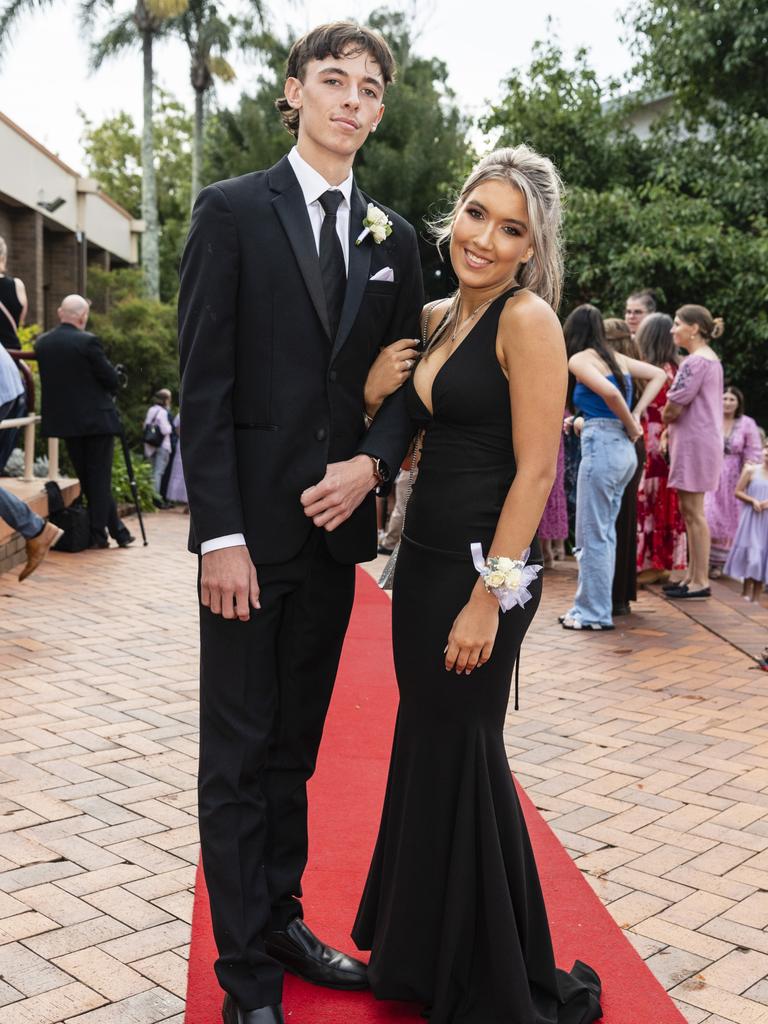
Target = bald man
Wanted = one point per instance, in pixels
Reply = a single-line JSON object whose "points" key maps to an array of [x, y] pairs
{"points": [[78, 383]]}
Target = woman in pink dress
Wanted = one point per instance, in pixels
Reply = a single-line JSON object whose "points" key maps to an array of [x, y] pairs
{"points": [[661, 545], [695, 417], [741, 440]]}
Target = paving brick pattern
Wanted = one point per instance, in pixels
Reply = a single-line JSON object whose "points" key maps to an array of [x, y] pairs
{"points": [[646, 749]]}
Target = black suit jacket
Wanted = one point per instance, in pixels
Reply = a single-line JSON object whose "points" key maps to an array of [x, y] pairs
{"points": [[268, 397], [77, 384]]}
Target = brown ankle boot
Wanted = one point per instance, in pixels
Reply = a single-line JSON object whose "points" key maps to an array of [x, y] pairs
{"points": [[39, 546]]}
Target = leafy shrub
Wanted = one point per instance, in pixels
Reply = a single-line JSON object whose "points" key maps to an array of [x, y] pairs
{"points": [[139, 334], [142, 471]]}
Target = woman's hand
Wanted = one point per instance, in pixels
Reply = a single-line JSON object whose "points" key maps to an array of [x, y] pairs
{"points": [[391, 368], [635, 432], [473, 633], [757, 505], [578, 425]]}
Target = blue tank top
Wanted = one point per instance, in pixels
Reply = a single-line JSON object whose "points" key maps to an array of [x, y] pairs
{"points": [[592, 406]]}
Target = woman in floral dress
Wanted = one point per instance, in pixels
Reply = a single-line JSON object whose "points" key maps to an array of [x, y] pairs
{"points": [[661, 544]]}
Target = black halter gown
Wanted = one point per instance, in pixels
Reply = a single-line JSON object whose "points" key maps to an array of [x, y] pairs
{"points": [[452, 910]]}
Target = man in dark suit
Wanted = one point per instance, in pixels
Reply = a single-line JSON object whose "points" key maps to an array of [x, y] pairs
{"points": [[78, 383], [281, 315]]}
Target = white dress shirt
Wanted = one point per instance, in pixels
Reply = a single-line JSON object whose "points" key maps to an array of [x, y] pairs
{"points": [[313, 185]]}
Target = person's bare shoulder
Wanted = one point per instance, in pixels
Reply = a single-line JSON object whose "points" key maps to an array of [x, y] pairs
{"points": [[529, 325]]}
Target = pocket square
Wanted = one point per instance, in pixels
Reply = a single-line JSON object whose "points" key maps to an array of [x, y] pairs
{"points": [[385, 274]]}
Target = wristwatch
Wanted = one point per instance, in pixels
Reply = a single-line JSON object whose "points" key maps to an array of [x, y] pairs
{"points": [[380, 469]]}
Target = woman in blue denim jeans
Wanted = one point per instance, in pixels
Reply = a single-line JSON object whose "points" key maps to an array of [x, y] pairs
{"points": [[600, 388]]}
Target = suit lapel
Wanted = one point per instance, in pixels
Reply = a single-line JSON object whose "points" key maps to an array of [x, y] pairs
{"points": [[291, 209], [359, 265]]}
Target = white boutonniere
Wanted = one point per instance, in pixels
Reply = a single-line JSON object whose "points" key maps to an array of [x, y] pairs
{"points": [[376, 223]]}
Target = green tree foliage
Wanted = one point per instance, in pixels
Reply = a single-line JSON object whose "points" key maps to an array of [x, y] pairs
{"points": [[139, 333], [710, 56], [113, 158], [565, 113]]}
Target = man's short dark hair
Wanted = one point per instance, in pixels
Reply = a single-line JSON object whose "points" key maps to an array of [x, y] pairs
{"points": [[337, 39], [648, 298]]}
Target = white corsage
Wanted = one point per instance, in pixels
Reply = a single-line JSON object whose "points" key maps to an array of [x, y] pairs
{"points": [[377, 224], [506, 578]]}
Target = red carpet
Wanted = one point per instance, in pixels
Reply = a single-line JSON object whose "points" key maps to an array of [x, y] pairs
{"points": [[343, 824]]}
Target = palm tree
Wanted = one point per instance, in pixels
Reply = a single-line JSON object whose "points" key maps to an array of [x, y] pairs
{"points": [[149, 20], [209, 37]]}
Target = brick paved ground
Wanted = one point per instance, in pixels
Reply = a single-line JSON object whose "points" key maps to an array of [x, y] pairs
{"points": [[646, 749]]}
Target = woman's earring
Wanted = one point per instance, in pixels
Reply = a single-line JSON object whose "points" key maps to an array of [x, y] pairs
{"points": [[374, 127]]}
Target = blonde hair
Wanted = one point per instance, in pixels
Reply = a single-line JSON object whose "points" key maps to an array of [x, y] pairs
{"points": [[540, 185], [709, 327]]}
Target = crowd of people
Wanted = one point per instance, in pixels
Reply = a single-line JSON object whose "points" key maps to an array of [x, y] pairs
{"points": [[666, 475]]}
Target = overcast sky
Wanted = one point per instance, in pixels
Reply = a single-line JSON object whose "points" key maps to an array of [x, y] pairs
{"points": [[44, 79]]}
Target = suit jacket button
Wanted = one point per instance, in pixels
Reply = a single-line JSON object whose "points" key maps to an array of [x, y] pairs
{"points": [[321, 433]]}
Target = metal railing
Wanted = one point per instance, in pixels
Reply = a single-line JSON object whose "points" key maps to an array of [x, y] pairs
{"points": [[29, 423]]}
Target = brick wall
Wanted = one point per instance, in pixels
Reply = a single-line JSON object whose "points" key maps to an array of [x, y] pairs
{"points": [[6, 231], [26, 260], [62, 271]]}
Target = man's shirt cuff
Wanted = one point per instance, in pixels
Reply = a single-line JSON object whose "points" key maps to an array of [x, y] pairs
{"points": [[232, 540]]}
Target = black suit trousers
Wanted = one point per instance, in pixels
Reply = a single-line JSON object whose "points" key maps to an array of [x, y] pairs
{"points": [[265, 689], [92, 458]]}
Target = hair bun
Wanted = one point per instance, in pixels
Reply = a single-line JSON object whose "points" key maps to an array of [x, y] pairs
{"points": [[718, 327]]}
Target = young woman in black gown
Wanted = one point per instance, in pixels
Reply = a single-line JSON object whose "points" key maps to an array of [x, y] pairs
{"points": [[452, 909]]}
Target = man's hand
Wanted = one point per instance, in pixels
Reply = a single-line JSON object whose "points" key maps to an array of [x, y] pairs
{"points": [[228, 585], [335, 498]]}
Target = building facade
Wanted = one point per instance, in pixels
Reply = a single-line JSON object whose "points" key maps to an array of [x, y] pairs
{"points": [[56, 224]]}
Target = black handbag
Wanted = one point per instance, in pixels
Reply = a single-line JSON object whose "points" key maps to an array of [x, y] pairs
{"points": [[153, 435], [73, 519]]}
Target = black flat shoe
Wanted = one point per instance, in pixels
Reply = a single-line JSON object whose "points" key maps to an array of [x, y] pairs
{"points": [[685, 592], [622, 609], [666, 587], [231, 1013], [302, 953], [384, 551]]}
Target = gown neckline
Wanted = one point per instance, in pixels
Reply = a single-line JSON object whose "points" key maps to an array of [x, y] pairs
{"points": [[430, 412]]}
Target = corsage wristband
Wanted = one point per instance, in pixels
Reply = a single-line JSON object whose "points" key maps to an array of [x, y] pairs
{"points": [[507, 579]]}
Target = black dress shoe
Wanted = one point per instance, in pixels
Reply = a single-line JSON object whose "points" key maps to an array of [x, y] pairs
{"points": [[232, 1014], [686, 592], [302, 953], [98, 543], [622, 609], [124, 539], [666, 587]]}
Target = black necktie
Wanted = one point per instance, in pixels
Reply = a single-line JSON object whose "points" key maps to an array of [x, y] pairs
{"points": [[332, 267]]}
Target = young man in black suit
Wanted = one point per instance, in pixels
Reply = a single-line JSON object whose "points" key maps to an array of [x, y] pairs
{"points": [[281, 315], [78, 383]]}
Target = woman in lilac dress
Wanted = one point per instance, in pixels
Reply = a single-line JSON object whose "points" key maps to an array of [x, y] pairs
{"points": [[748, 559], [177, 489], [694, 415], [741, 440]]}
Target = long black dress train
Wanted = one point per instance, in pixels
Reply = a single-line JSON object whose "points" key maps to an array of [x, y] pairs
{"points": [[452, 909]]}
